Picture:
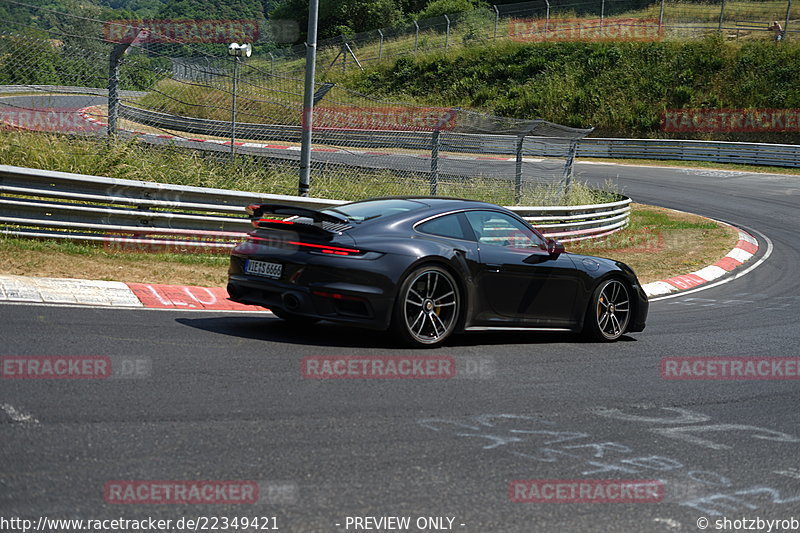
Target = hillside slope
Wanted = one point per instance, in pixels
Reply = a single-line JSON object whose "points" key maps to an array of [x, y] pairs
{"points": [[619, 88]]}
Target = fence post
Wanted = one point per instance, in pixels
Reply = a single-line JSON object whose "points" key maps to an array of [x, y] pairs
{"points": [[308, 100], [115, 57], [380, 46], [447, 34], [518, 176], [721, 15], [497, 20], [416, 36], [233, 105], [547, 19], [435, 162], [661, 16], [786, 22], [271, 64], [602, 13], [344, 54]]}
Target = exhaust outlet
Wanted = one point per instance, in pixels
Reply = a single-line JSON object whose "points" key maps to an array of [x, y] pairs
{"points": [[290, 301]]}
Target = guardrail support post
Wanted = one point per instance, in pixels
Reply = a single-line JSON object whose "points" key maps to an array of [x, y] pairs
{"points": [[573, 148], [435, 162], [308, 99], [447, 33], [496, 20], [518, 175]]}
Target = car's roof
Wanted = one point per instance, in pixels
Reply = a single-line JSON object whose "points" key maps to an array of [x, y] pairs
{"points": [[433, 201]]}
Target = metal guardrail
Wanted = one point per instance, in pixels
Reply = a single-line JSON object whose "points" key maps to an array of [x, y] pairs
{"points": [[64, 89], [406, 140], [60, 205], [783, 155], [780, 155]]}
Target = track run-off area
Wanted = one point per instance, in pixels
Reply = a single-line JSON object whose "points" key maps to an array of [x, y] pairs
{"points": [[222, 396]]}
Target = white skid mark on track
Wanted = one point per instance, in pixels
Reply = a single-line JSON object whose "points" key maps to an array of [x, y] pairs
{"points": [[17, 416], [669, 522]]}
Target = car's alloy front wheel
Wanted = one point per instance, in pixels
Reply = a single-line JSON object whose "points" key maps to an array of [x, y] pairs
{"points": [[609, 311], [427, 307]]}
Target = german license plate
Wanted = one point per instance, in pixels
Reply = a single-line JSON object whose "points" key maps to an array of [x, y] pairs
{"points": [[263, 268]]}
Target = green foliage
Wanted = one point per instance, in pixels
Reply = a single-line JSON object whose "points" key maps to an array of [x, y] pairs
{"points": [[212, 9], [341, 17], [437, 8], [620, 88]]}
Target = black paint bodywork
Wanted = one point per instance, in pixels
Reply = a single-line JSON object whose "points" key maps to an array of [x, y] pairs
{"points": [[501, 287]]}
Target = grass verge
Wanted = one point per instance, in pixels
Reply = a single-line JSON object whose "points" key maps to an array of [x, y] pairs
{"points": [[661, 243]]}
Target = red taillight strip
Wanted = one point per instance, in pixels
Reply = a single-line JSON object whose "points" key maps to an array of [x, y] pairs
{"points": [[275, 220], [326, 249], [337, 296], [321, 247], [257, 221]]}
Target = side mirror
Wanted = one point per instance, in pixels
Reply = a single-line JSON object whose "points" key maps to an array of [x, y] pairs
{"points": [[554, 248]]}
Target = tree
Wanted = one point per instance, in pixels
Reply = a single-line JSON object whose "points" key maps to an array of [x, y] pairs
{"points": [[341, 16]]}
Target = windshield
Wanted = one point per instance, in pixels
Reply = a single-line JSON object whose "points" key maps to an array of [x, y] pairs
{"points": [[370, 209]]}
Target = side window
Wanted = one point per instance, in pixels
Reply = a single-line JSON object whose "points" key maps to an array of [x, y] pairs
{"points": [[449, 226], [499, 229]]}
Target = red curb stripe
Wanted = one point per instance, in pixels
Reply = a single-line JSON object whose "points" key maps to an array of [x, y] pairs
{"points": [[157, 296], [686, 281], [728, 263], [747, 246]]}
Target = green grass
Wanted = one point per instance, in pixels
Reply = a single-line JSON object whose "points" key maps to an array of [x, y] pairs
{"points": [[699, 164], [88, 249], [660, 243]]}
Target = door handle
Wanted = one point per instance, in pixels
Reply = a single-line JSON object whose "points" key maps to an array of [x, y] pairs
{"points": [[492, 267]]}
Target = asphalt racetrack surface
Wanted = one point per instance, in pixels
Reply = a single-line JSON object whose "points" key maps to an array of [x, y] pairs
{"points": [[220, 396]]}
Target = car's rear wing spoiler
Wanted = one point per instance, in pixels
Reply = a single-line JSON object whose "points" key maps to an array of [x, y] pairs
{"points": [[321, 223]]}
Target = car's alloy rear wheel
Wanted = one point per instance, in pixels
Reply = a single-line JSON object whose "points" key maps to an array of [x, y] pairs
{"points": [[427, 307], [609, 311]]}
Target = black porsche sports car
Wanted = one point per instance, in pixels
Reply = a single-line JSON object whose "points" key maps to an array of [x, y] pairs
{"points": [[426, 268]]}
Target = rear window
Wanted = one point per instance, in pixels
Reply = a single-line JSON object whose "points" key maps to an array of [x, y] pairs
{"points": [[368, 210]]}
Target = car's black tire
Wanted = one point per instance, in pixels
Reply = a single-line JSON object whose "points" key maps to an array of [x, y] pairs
{"points": [[293, 319], [427, 308], [609, 311]]}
